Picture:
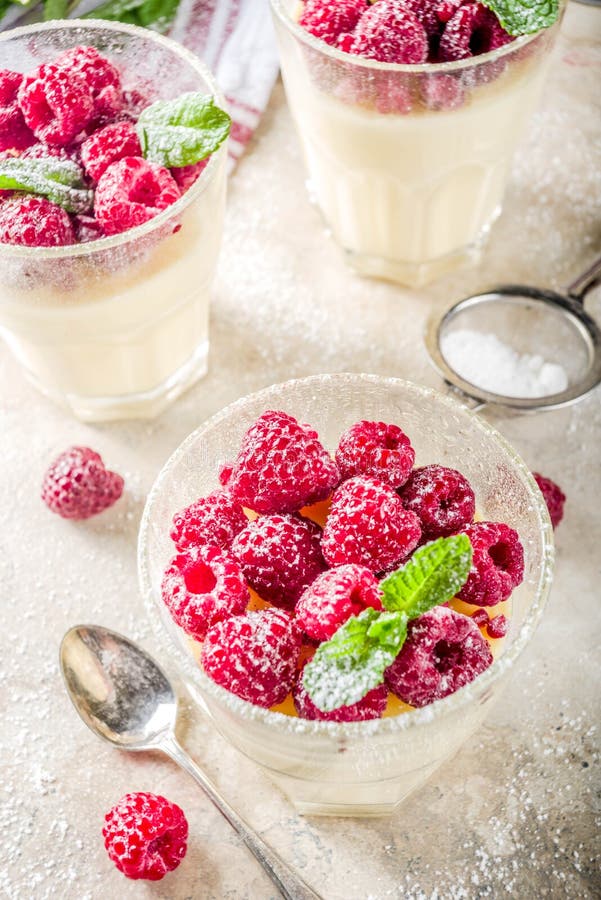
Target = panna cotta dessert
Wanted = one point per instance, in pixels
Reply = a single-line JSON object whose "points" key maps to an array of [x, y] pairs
{"points": [[409, 112], [112, 197]]}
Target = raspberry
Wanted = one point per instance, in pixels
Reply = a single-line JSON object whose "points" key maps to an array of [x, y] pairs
{"points": [[328, 19], [280, 556], [132, 191], [442, 91], [14, 133], [185, 176], [389, 32], [497, 563], [497, 627], [203, 586], [368, 525], [443, 652], [472, 29], [77, 485], [480, 617], [375, 449], [441, 498], [87, 229], [393, 94], [334, 596], [369, 707], [107, 146], [101, 76], [215, 519], [254, 655], [554, 497], [34, 222], [145, 835], [56, 105], [281, 466]]}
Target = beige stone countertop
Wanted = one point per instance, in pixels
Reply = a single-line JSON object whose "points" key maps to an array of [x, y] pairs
{"points": [[514, 813]]}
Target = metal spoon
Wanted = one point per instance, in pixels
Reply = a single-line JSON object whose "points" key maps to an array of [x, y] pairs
{"points": [[124, 697]]}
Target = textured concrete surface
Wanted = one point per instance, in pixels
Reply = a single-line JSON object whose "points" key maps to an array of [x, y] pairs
{"points": [[514, 814]]}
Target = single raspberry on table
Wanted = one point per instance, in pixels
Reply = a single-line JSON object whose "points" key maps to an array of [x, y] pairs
{"points": [[281, 466], [107, 146], [554, 497], [145, 835], [132, 191], [254, 655], [77, 485], [443, 652], [203, 586], [280, 556], [369, 525], [328, 19], [215, 519], [389, 32], [333, 597], [185, 176], [14, 132], [101, 76], [34, 222], [369, 707], [472, 30], [56, 105], [376, 449], [441, 498], [497, 563], [497, 627]]}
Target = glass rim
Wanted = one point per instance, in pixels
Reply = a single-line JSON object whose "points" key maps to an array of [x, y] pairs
{"points": [[88, 248], [289, 725], [280, 10]]}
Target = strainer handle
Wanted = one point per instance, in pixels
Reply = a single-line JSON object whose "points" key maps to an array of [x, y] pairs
{"points": [[580, 287]]}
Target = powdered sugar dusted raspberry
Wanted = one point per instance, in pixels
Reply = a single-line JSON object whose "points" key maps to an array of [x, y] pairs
{"points": [[254, 655], [203, 586], [442, 91], [389, 32], [328, 19], [472, 29], [77, 485], [480, 617], [185, 176], [441, 498], [280, 556], [14, 133], [443, 652], [376, 449], [108, 145], [131, 192], [34, 222], [497, 627], [554, 497], [145, 835], [369, 707], [56, 105], [334, 596], [281, 466], [369, 525], [101, 76], [497, 563], [87, 228], [215, 519]]}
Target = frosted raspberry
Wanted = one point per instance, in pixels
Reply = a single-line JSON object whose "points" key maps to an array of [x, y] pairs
{"points": [[497, 627], [145, 835], [132, 191], [56, 105], [87, 228], [480, 617], [369, 707], [443, 652], [77, 485], [497, 563], [388, 32], [281, 466], [203, 586], [375, 449], [185, 176], [472, 29], [14, 133], [334, 596], [102, 77], [215, 519], [554, 497], [442, 91], [107, 146], [393, 94], [254, 655], [34, 222], [225, 473], [280, 556], [369, 525], [327, 19], [441, 498]]}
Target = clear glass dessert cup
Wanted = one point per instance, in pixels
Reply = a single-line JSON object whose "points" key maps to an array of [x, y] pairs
{"points": [[359, 768], [408, 163], [117, 328]]}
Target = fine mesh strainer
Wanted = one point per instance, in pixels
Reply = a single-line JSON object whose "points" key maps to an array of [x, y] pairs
{"points": [[532, 323]]}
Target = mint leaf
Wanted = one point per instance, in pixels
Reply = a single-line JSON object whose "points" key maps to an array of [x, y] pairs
{"points": [[59, 180], [524, 16], [183, 131], [433, 575], [354, 660]]}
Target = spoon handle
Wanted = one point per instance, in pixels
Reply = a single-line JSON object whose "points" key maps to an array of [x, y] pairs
{"points": [[290, 885]]}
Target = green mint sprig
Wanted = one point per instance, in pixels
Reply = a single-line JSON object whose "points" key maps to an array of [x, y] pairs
{"points": [[183, 131], [354, 660], [524, 16], [59, 180]]}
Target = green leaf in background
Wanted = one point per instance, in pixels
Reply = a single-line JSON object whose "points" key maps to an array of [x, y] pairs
{"points": [[60, 181], [432, 576], [524, 16], [183, 131], [354, 660], [55, 9]]}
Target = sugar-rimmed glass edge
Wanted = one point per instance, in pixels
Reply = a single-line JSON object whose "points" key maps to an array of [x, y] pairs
{"points": [[376, 727], [108, 243]]}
